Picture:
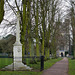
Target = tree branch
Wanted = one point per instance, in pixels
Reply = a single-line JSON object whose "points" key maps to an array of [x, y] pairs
{"points": [[11, 7]]}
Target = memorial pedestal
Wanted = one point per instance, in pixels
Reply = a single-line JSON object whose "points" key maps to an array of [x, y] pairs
{"points": [[17, 51]]}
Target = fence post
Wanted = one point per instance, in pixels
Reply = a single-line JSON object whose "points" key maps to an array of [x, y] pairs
{"points": [[42, 63]]}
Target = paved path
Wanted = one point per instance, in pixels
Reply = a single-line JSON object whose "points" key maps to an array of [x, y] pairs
{"points": [[60, 68]]}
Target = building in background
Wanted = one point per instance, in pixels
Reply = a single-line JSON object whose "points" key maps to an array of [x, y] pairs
{"points": [[64, 40]]}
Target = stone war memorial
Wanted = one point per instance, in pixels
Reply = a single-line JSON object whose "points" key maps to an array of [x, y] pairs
{"points": [[17, 64]]}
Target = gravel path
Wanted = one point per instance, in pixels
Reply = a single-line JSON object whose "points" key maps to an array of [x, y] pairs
{"points": [[60, 68]]}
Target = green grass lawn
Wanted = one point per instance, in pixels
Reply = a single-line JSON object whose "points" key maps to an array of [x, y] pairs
{"points": [[50, 62], [5, 61], [71, 67], [47, 64], [19, 73]]}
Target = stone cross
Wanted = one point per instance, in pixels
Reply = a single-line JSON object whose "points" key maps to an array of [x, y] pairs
{"points": [[18, 29], [17, 51]]}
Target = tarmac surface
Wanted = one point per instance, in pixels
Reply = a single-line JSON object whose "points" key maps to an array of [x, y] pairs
{"points": [[59, 68]]}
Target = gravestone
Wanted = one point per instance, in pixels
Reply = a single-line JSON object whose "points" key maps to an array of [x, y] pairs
{"points": [[17, 51]]}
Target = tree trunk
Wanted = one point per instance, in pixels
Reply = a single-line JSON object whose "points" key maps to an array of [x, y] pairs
{"points": [[1, 10]]}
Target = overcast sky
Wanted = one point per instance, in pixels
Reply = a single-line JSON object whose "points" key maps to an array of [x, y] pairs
{"points": [[9, 15]]}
